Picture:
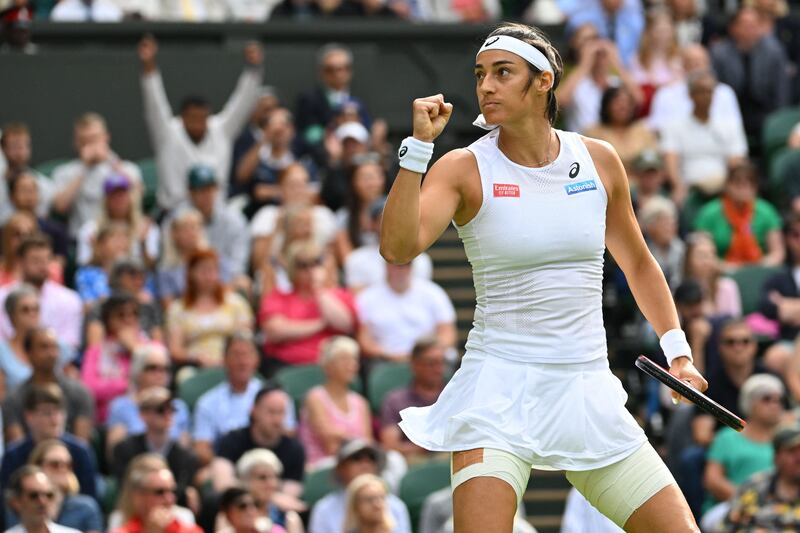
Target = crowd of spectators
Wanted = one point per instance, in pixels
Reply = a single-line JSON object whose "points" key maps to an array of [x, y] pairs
{"points": [[151, 354]]}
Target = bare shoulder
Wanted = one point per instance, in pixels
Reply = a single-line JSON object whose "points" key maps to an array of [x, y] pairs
{"points": [[456, 161], [608, 164]]}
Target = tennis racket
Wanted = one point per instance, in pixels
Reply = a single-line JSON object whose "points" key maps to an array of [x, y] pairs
{"points": [[690, 393]]}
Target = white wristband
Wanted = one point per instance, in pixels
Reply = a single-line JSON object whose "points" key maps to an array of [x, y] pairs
{"points": [[674, 345], [415, 154]]}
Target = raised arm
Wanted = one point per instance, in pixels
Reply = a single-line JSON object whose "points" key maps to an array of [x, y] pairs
{"points": [[237, 109], [414, 217], [625, 242], [157, 111]]}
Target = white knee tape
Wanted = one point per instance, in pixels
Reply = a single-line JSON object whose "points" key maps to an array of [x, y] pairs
{"points": [[499, 464], [618, 489]]}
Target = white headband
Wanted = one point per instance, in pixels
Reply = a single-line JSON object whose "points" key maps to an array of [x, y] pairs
{"points": [[529, 53]]}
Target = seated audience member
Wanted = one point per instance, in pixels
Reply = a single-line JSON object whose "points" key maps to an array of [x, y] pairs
{"points": [[621, 22], [17, 228], [156, 408], [226, 228], [366, 506], [147, 500], [267, 101], [647, 179], [689, 300], [16, 149], [353, 459], [61, 307], [699, 148], [44, 411], [745, 228], [672, 101], [260, 472], [198, 323], [128, 276], [22, 309], [428, 379], [355, 228], [93, 11], [345, 145], [619, 127], [365, 267], [659, 220], [106, 365], [242, 513], [110, 245], [332, 413], [76, 510], [150, 367], [598, 67], [25, 191], [770, 501], [195, 136], [226, 407], [297, 322], [397, 313], [34, 498], [122, 203], [41, 345], [658, 61], [271, 408], [268, 223], [79, 183], [720, 293], [733, 457]]}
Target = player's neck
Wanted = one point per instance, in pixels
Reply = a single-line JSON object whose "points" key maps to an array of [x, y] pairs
{"points": [[532, 143]]}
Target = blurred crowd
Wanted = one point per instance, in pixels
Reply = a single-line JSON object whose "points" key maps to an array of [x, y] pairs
{"points": [[212, 339]]}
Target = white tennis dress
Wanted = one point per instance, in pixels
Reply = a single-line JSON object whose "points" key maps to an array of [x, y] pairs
{"points": [[535, 379]]}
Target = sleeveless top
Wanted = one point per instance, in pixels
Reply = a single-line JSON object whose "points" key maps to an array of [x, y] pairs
{"points": [[536, 248], [351, 423]]}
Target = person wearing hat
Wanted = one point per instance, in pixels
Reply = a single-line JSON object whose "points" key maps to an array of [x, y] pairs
{"points": [[648, 178], [659, 221], [226, 228], [78, 184], [355, 457], [770, 501], [157, 410]]}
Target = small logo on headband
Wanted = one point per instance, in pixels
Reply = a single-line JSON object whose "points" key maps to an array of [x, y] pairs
{"points": [[490, 42]]}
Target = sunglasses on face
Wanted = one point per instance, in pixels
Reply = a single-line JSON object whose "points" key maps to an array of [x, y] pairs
{"points": [[36, 495], [737, 341]]}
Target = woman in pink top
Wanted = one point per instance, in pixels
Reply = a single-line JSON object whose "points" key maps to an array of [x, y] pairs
{"points": [[332, 413], [106, 364], [702, 265]]}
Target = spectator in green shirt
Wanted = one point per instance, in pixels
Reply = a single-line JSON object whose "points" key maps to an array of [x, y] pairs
{"points": [[745, 228]]}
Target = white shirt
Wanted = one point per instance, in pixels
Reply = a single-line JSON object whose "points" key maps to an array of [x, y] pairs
{"points": [[398, 320], [580, 516], [78, 11], [61, 310], [176, 153], [365, 267], [89, 199], [672, 102], [327, 516], [265, 223], [52, 527], [584, 111], [703, 148]]}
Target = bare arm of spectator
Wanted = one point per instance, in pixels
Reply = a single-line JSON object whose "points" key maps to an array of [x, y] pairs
{"points": [[260, 254], [623, 73], [249, 161], [176, 344], [238, 107], [334, 312], [392, 439], [446, 333], [776, 252], [157, 111], [330, 437], [672, 166], [716, 483], [343, 246], [282, 329], [566, 89]]}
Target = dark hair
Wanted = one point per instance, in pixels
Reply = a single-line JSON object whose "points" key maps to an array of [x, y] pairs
{"points": [[747, 168], [13, 128], [34, 241], [37, 395], [689, 292], [243, 335], [537, 38], [608, 98], [732, 323], [423, 345], [355, 204], [15, 482], [229, 498], [17, 176], [268, 387], [30, 336], [116, 300], [194, 100]]}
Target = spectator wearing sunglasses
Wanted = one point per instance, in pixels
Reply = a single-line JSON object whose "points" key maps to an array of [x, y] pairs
{"points": [[34, 498], [240, 511], [157, 411]]}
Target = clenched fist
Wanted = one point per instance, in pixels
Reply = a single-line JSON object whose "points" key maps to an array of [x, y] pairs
{"points": [[430, 117]]}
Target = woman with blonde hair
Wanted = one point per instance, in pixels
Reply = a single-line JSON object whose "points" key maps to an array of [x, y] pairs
{"points": [[259, 471], [366, 510], [720, 294], [658, 62], [77, 511]]}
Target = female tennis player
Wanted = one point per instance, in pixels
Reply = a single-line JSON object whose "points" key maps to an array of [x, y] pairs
{"points": [[535, 208]]}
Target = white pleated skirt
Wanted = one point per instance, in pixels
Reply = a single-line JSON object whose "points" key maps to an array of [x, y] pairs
{"points": [[554, 416]]}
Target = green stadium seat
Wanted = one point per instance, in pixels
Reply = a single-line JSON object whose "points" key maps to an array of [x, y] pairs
{"points": [[384, 378], [298, 380], [150, 181], [777, 127], [47, 167], [784, 176], [419, 482], [750, 280], [691, 208], [192, 388], [317, 485]]}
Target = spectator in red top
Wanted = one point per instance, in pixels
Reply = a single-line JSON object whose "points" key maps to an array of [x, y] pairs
{"points": [[147, 501], [297, 322]]}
